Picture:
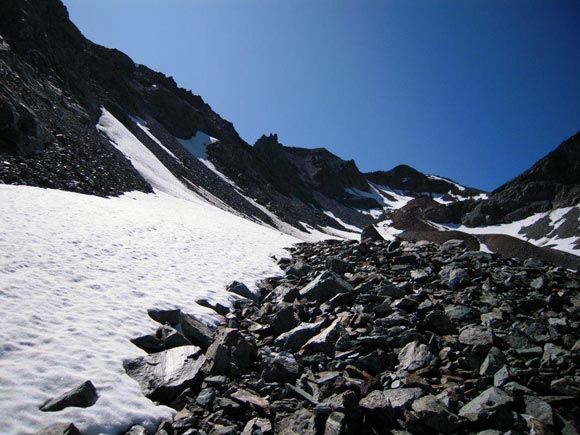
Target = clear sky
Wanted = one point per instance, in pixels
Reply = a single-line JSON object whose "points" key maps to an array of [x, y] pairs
{"points": [[473, 90]]}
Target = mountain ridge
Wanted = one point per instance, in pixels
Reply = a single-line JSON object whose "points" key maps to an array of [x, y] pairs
{"points": [[56, 84]]}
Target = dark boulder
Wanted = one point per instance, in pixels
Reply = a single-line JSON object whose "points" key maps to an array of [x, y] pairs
{"points": [[82, 396]]}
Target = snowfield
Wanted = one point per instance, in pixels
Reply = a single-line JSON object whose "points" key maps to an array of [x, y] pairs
{"points": [[77, 275]]}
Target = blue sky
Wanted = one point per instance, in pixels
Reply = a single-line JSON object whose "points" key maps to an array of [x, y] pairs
{"points": [[473, 90]]}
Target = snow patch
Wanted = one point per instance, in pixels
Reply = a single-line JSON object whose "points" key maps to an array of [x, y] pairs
{"points": [[197, 144], [386, 230], [78, 274], [341, 222], [143, 160], [143, 126], [435, 177]]}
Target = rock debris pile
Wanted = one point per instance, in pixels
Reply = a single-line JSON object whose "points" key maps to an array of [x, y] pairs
{"points": [[376, 337]]}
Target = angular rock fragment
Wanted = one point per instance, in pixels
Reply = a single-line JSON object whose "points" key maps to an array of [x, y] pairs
{"points": [[454, 277], [169, 317], [60, 429], [477, 336], [492, 404], [230, 354], [494, 361], [242, 290], [281, 367], [82, 396], [324, 341], [539, 409], [162, 376], [378, 407], [171, 338], [435, 415], [439, 322], [197, 332], [335, 424], [252, 400], [415, 356], [294, 339], [258, 426], [324, 287], [299, 423]]}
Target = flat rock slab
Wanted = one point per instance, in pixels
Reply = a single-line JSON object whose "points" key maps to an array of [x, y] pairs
{"points": [[476, 335], [165, 374], [82, 396], [252, 400]]}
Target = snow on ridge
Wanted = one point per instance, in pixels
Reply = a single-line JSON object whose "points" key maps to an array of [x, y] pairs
{"points": [[197, 144], [143, 126], [142, 159], [341, 222], [78, 274], [436, 177]]}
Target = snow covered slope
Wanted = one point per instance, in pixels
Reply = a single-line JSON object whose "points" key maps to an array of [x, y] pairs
{"points": [[78, 274]]}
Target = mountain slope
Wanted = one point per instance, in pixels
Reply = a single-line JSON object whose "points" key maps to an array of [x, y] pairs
{"points": [[56, 84]]}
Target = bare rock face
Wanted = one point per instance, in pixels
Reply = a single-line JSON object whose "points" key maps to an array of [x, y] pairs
{"points": [[82, 396], [163, 375]]}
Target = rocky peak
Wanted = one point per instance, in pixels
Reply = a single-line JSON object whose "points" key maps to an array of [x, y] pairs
{"points": [[408, 179]]}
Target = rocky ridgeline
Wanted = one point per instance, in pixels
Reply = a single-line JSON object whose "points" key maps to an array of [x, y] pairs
{"points": [[376, 337]]}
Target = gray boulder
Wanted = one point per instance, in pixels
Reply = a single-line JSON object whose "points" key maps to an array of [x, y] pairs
{"points": [[415, 356], [240, 289], [323, 342], [294, 339], [433, 413], [230, 354], [162, 376], [493, 404], [197, 332], [281, 367], [324, 287], [454, 277]]}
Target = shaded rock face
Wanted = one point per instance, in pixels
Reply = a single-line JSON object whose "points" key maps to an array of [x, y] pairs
{"points": [[552, 182], [399, 351]]}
